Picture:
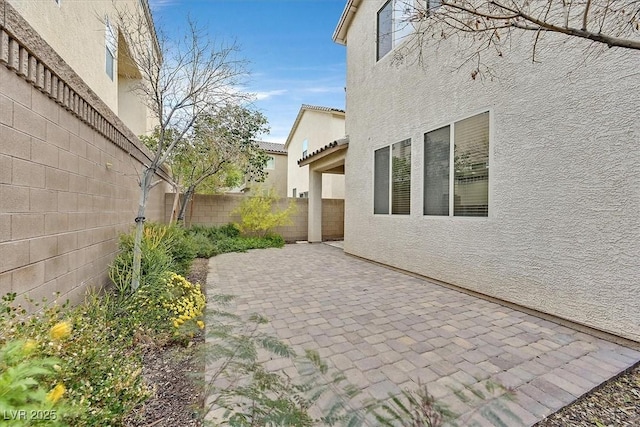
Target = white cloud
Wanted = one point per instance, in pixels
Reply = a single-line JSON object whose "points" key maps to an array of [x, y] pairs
{"points": [[261, 96], [159, 4], [324, 89]]}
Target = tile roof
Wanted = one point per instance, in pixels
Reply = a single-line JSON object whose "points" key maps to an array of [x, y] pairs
{"points": [[307, 107], [319, 108], [272, 147], [341, 141]]}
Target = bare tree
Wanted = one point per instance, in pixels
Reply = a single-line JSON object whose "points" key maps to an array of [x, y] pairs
{"points": [[489, 25], [180, 81]]}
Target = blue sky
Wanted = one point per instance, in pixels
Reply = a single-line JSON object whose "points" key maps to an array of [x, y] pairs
{"points": [[292, 58]]}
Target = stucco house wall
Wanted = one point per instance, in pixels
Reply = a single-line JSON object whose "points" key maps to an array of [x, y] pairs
{"points": [[318, 126], [562, 235], [277, 176]]}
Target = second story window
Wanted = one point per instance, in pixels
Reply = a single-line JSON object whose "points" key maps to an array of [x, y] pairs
{"points": [[394, 24], [111, 44], [271, 163], [305, 148]]}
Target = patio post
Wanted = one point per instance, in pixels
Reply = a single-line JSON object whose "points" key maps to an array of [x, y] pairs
{"points": [[315, 207]]}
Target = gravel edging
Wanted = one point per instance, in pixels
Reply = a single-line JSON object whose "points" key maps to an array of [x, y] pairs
{"points": [[615, 403]]}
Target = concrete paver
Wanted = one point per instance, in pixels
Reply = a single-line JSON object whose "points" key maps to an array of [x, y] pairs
{"points": [[387, 330]]}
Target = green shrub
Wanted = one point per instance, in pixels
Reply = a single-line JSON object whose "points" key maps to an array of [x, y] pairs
{"points": [[258, 215], [24, 399], [164, 248], [179, 245], [98, 370], [211, 241], [228, 230], [204, 246]]}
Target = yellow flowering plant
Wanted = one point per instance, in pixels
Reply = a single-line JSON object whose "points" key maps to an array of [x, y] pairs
{"points": [[173, 305], [69, 362]]}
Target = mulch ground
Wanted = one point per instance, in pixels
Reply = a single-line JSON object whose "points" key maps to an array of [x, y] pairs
{"points": [[175, 374]]}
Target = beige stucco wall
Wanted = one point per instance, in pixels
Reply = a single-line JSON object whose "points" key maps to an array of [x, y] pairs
{"points": [[319, 128], [68, 174], [563, 235], [64, 26], [218, 210], [277, 177]]}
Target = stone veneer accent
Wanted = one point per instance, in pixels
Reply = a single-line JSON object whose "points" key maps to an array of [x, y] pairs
{"points": [[217, 210], [68, 172]]}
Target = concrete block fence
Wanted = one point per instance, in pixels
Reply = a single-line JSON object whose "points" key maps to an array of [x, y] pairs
{"points": [[217, 210], [68, 172]]}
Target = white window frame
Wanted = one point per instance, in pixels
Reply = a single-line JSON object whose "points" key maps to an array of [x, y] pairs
{"points": [[451, 126], [390, 201], [305, 148], [111, 48], [400, 26], [271, 163]]}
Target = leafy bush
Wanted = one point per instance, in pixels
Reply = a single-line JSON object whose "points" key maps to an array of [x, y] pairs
{"points": [[204, 246], [179, 246], [97, 371], [22, 385], [258, 216], [164, 248], [211, 241]]}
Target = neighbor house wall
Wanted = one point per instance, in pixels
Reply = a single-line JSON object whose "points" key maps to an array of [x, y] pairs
{"points": [[563, 235], [218, 210], [277, 177], [76, 30], [68, 172], [319, 128]]}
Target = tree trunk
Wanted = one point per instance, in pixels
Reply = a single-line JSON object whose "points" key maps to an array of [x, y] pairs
{"points": [[145, 185], [185, 201], [174, 209]]}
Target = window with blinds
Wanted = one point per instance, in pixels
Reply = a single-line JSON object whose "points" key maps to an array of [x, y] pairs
{"points": [[381, 181], [436, 171], [401, 178], [392, 179], [462, 168]]}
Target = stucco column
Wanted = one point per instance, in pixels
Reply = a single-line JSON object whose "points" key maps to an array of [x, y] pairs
{"points": [[315, 206]]}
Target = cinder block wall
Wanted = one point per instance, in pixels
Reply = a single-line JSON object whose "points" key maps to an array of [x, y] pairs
{"points": [[68, 173], [217, 210]]}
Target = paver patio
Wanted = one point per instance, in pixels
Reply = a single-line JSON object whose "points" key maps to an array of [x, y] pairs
{"points": [[386, 330]]}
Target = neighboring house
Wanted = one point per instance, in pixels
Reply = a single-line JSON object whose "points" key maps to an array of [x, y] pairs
{"points": [[313, 129], [276, 168], [524, 187], [86, 35]]}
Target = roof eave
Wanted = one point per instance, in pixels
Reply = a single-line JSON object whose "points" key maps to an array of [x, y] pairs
{"points": [[303, 109], [340, 33]]}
